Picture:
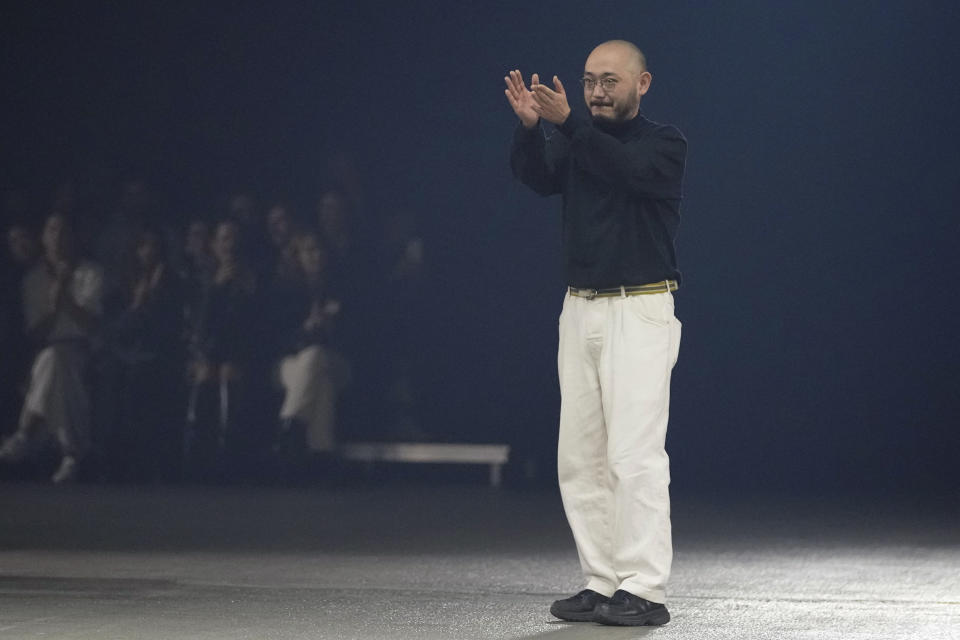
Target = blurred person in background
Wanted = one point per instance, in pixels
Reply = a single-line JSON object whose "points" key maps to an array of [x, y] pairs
{"points": [[401, 268], [21, 256], [244, 210], [146, 342], [311, 371], [196, 267], [62, 307], [338, 228], [280, 231], [353, 269], [197, 260], [22, 245], [224, 353], [115, 243]]}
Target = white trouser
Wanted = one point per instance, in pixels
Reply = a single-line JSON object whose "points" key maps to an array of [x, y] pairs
{"points": [[615, 359], [312, 379], [58, 394]]}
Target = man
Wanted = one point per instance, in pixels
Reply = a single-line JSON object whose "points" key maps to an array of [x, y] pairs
{"points": [[620, 176], [62, 306]]}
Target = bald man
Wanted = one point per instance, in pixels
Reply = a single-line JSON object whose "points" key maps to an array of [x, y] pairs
{"points": [[620, 176]]}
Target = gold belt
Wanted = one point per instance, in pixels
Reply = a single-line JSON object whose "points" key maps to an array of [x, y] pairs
{"points": [[634, 290]]}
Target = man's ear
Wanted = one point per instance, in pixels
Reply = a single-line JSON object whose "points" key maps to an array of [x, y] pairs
{"points": [[643, 83]]}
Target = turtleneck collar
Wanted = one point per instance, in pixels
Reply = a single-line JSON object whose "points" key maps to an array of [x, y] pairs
{"points": [[620, 129]]}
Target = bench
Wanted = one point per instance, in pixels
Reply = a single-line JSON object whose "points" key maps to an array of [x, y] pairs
{"points": [[495, 455]]}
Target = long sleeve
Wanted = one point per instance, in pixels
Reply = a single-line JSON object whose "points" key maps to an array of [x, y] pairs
{"points": [[531, 162], [649, 166]]}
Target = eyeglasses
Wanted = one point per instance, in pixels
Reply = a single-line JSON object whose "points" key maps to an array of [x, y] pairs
{"points": [[607, 84]]}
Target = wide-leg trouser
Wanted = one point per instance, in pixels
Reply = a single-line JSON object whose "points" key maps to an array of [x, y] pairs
{"points": [[58, 394], [614, 361], [312, 379]]}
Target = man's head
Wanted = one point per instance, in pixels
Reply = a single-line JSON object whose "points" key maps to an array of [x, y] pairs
{"points": [[615, 77]]}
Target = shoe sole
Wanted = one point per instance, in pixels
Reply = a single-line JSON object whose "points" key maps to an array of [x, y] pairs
{"points": [[586, 616], [653, 619]]}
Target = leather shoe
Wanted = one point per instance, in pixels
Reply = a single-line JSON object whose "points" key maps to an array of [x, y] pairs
{"points": [[578, 608], [626, 609]]}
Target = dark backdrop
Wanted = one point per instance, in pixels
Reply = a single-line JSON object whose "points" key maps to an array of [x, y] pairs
{"points": [[820, 220]]}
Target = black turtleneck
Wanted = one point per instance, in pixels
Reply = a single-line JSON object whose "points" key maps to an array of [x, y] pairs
{"points": [[621, 186]]}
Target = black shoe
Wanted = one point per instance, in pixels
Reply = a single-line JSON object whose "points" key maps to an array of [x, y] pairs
{"points": [[626, 609], [578, 608]]}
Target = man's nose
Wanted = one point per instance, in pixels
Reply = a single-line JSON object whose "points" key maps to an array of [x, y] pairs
{"points": [[598, 91]]}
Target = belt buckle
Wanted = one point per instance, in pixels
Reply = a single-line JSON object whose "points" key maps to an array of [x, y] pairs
{"points": [[591, 294]]}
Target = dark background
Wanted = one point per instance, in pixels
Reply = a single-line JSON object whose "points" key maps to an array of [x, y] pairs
{"points": [[818, 245]]}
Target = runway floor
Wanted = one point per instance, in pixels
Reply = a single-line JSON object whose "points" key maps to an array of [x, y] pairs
{"points": [[418, 561]]}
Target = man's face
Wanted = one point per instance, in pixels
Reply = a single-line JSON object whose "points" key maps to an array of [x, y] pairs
{"points": [[617, 84]]}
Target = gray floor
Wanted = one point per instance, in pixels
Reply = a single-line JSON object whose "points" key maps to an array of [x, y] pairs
{"points": [[453, 562]]}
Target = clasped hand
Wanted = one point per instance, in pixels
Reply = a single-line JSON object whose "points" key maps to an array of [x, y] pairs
{"points": [[540, 101]]}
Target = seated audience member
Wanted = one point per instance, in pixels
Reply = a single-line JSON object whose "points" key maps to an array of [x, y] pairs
{"points": [[62, 304], [15, 350], [353, 266], [337, 224], [224, 357], [114, 246], [280, 228], [195, 266], [311, 371], [147, 437]]}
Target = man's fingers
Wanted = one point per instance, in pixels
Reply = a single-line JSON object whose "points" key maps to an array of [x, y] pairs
{"points": [[511, 89], [534, 81], [514, 102], [544, 91], [558, 85], [515, 84]]}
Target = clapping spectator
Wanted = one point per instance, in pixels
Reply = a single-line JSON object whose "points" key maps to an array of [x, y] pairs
{"points": [[62, 305]]}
